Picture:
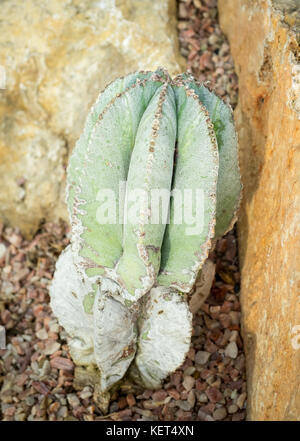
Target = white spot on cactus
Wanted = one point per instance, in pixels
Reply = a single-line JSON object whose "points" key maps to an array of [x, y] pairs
{"points": [[164, 335]]}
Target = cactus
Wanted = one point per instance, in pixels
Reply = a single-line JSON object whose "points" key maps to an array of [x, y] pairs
{"points": [[121, 288]]}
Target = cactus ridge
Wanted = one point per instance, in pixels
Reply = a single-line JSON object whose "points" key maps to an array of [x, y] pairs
{"points": [[142, 242], [177, 269], [229, 188], [88, 237], [118, 288]]}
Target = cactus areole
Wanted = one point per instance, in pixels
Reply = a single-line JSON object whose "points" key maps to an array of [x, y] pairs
{"points": [[152, 182]]}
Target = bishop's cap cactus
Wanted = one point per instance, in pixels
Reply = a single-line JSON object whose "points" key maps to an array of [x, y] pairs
{"points": [[120, 289]]}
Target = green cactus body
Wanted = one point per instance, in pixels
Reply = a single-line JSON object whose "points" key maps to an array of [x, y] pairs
{"points": [[101, 161], [118, 289], [153, 153], [229, 184], [115, 88], [184, 251]]}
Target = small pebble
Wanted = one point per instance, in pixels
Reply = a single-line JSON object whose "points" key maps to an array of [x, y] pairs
{"points": [[189, 371], [231, 350], [51, 347], [202, 357], [62, 363], [241, 399], [202, 416], [184, 405], [42, 334], [85, 393], [219, 414], [234, 336], [233, 408], [214, 394], [203, 398], [46, 369], [191, 398], [62, 412], [234, 394], [73, 400], [188, 382]]}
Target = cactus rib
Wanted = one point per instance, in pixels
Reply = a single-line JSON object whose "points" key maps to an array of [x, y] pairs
{"points": [[182, 254]]}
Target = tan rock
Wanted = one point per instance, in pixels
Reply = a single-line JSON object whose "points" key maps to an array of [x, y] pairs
{"points": [[264, 47], [57, 55]]}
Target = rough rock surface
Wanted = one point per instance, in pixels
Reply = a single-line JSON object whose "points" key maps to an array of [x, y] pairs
{"points": [[57, 56], [267, 117]]}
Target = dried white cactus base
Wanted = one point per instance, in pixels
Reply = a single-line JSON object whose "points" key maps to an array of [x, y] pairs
{"points": [[165, 329], [67, 294], [115, 337], [101, 330], [107, 335]]}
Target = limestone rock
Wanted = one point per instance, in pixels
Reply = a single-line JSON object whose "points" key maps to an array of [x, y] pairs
{"points": [[57, 56], [263, 37]]}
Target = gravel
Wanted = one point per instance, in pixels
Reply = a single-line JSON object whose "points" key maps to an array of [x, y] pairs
{"points": [[36, 370], [206, 48]]}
